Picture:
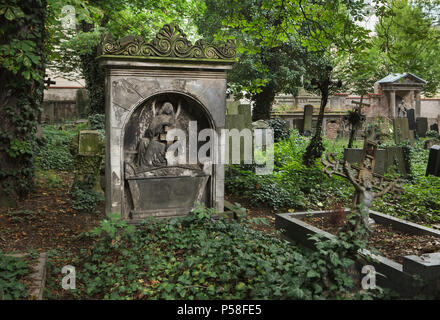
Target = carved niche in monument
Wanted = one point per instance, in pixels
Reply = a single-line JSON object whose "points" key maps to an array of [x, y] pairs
{"points": [[157, 181]]}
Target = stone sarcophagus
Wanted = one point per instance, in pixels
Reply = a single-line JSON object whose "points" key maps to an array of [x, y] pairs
{"points": [[160, 96]]}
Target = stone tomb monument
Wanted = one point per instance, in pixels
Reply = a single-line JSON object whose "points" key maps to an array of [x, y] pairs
{"points": [[152, 88]]}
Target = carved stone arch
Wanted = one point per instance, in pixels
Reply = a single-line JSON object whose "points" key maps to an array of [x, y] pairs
{"points": [[144, 153]]}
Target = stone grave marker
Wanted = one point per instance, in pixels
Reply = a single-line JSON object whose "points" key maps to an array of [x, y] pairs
{"points": [[395, 157], [434, 127], [308, 115], [433, 167], [239, 117], [401, 131], [421, 126], [88, 149], [411, 119], [385, 159], [298, 124]]}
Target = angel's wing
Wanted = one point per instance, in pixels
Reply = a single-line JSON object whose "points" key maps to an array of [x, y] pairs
{"points": [[179, 107]]}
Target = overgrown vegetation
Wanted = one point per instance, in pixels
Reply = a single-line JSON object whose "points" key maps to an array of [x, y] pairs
{"points": [[202, 257], [53, 151], [295, 186], [12, 270], [292, 185]]}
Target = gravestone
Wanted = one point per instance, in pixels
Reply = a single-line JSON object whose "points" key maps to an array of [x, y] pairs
{"points": [[88, 151], [166, 86], [298, 124], [354, 156], [308, 116], [239, 116], [421, 126], [385, 159], [434, 127], [401, 131], [433, 167], [263, 125], [410, 114]]}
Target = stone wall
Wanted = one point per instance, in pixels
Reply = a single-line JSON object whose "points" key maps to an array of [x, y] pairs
{"points": [[60, 103]]}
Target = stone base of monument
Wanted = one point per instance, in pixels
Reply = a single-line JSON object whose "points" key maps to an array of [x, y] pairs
{"points": [[399, 277], [168, 196]]}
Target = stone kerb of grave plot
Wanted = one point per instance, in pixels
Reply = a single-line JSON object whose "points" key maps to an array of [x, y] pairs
{"points": [[396, 276]]}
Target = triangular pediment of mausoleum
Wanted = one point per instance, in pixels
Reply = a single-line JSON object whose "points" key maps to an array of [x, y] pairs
{"points": [[402, 78]]}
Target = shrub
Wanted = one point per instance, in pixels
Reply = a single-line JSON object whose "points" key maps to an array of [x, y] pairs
{"points": [[291, 185], [280, 129], [97, 121], [12, 270], [84, 195], [198, 257], [53, 152]]}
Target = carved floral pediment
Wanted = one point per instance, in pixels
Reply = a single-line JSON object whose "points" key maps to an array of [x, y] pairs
{"points": [[170, 42]]}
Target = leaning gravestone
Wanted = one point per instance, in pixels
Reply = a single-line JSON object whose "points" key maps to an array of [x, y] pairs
{"points": [[158, 90], [421, 126], [396, 158], [308, 116], [297, 124], [433, 167]]}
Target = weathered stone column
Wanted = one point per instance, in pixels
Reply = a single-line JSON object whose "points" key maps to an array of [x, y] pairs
{"points": [[393, 103], [418, 104]]}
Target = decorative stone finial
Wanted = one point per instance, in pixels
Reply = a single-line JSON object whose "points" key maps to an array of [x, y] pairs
{"points": [[170, 42]]}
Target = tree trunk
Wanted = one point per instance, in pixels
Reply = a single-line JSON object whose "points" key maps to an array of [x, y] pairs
{"points": [[263, 103], [355, 126], [20, 100], [93, 75], [315, 148]]}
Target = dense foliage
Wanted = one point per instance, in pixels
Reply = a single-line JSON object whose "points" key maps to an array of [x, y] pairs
{"points": [[53, 151], [198, 257], [21, 91], [84, 195], [292, 185], [12, 270]]}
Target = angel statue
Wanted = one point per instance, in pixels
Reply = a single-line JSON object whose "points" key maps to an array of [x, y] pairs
{"points": [[152, 149], [365, 195]]}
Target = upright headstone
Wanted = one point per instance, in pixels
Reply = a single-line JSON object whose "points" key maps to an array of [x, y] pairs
{"points": [[88, 149], [298, 124], [421, 126], [308, 115], [239, 117], [434, 127], [401, 130], [410, 114], [433, 167], [395, 158]]}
